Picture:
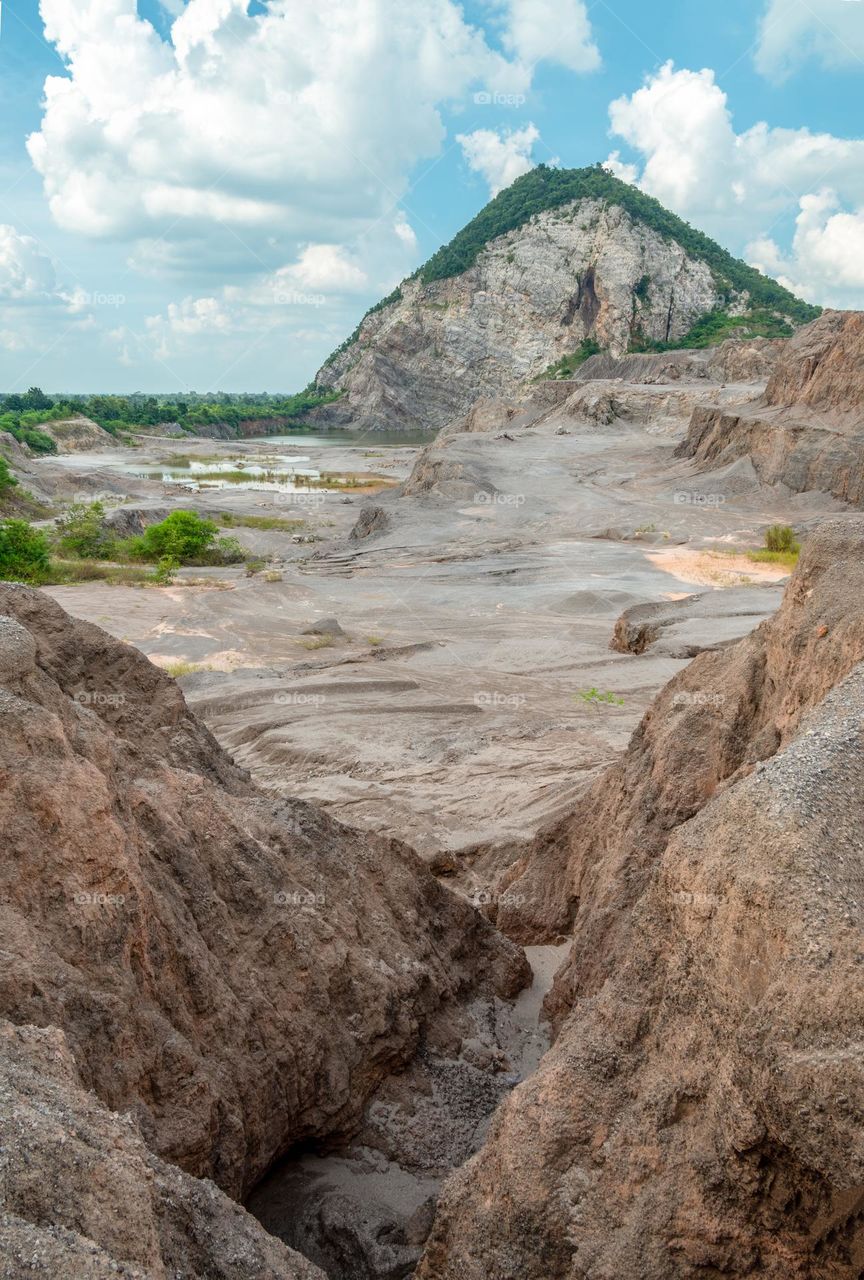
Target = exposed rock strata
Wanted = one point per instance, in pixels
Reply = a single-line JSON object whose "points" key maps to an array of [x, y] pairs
{"points": [[677, 627], [236, 970], [736, 360], [807, 430], [530, 298], [702, 1109]]}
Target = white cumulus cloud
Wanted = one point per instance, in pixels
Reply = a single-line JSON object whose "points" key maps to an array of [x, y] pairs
{"points": [[326, 267], [738, 186], [553, 31], [793, 31], [27, 274], [825, 263], [303, 122], [499, 156]]}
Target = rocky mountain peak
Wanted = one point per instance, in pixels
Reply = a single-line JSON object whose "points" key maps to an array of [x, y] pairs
{"points": [[563, 264]]}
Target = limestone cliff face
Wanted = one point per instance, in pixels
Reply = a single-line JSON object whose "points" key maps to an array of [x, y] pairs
{"points": [[583, 269]]}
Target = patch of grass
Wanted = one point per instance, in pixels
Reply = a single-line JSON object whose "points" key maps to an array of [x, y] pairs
{"points": [[593, 695], [68, 572], [375, 641], [315, 642], [332, 480], [178, 669], [781, 547], [278, 523], [788, 558]]}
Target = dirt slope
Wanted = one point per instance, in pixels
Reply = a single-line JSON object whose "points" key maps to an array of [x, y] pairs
{"points": [[807, 431], [238, 971], [702, 1109]]}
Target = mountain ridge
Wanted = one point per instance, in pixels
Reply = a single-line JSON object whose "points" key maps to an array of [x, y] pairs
{"points": [[575, 257]]}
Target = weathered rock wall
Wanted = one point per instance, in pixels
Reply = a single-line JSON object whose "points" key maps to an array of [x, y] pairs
{"points": [[702, 1109], [236, 970], [530, 298]]}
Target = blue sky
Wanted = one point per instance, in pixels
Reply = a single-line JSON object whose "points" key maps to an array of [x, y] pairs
{"points": [[215, 191]]}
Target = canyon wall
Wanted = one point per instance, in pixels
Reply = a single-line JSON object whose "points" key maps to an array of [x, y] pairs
{"points": [[702, 1108], [236, 971], [807, 430]]}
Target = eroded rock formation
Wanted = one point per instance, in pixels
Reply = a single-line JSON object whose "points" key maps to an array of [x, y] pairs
{"points": [[237, 971], [702, 1109], [807, 430]]}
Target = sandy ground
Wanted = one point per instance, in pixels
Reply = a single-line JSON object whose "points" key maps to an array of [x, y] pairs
{"points": [[456, 711], [714, 568]]}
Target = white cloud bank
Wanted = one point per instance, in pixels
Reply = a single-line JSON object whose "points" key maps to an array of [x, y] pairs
{"points": [[271, 151], [794, 31], [739, 186], [303, 121]]}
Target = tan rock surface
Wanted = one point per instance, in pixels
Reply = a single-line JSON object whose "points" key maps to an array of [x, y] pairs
{"points": [[702, 1109], [822, 367], [82, 1197], [807, 431], [237, 970]]}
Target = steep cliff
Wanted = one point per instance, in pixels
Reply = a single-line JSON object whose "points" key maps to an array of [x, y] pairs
{"points": [[237, 971], [807, 430], [559, 264], [702, 1109]]}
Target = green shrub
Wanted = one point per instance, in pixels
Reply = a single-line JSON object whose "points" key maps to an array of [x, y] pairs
{"points": [[567, 365], [24, 554], [781, 537], [166, 568], [183, 536], [7, 480], [81, 532]]}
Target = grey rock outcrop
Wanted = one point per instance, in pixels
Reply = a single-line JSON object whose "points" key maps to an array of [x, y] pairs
{"points": [[807, 430], [531, 297]]}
